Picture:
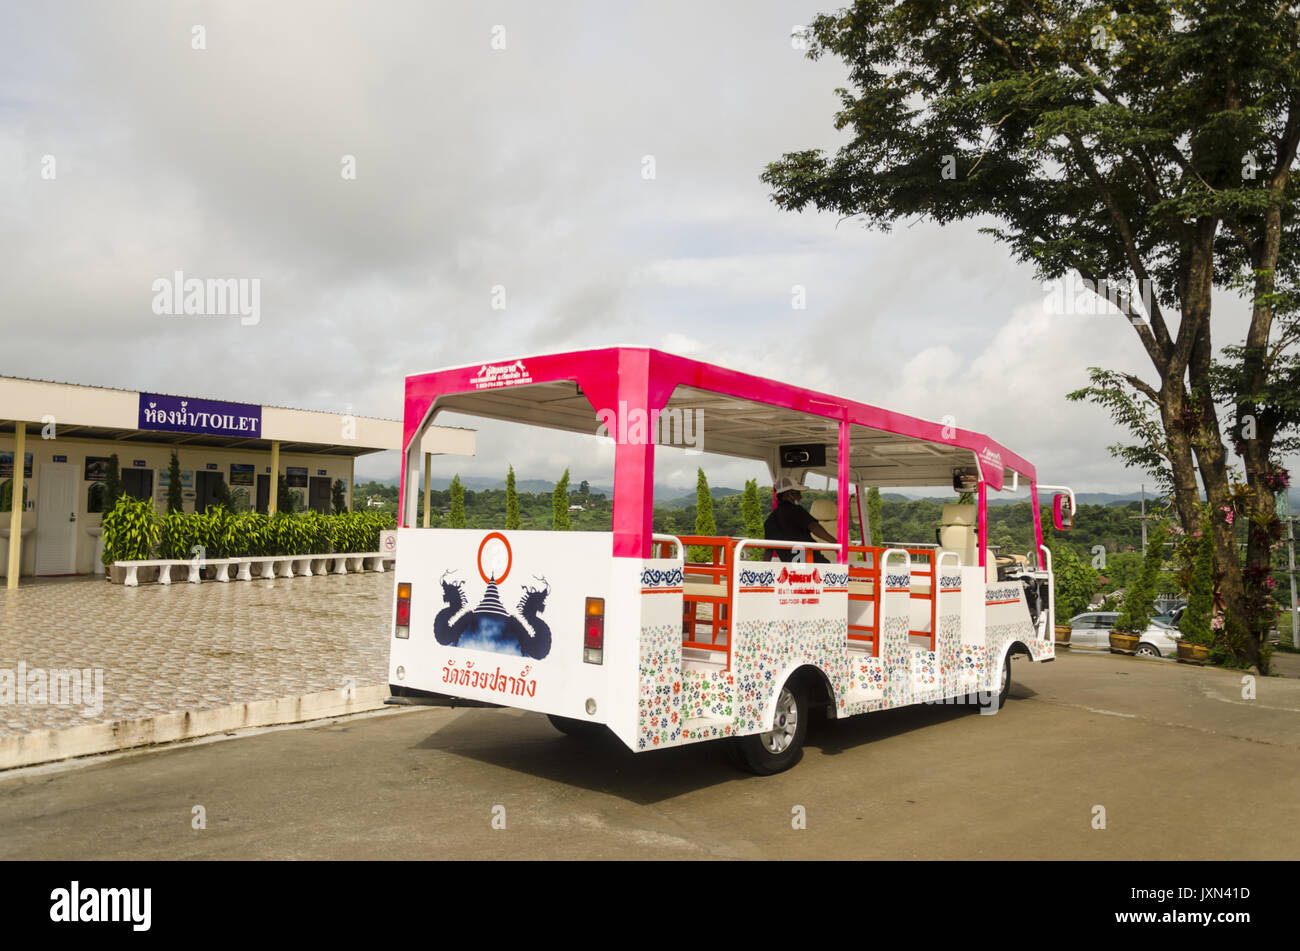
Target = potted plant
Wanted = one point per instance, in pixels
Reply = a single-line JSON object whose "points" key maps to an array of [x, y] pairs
{"points": [[1135, 616], [1195, 624], [178, 536], [1075, 582], [1189, 653], [217, 535], [1124, 642], [130, 532]]}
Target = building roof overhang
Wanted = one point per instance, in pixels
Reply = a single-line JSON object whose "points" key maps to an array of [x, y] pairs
{"points": [[114, 416]]}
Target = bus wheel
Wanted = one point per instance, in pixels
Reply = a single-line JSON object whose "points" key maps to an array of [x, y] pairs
{"points": [[581, 729], [1004, 688], [782, 746]]}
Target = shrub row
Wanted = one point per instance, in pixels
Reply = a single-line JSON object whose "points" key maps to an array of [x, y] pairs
{"points": [[134, 531]]}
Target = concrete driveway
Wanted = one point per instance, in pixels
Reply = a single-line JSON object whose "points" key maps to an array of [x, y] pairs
{"points": [[1182, 764]]}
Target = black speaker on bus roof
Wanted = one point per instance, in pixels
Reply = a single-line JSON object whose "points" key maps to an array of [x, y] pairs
{"points": [[805, 456]]}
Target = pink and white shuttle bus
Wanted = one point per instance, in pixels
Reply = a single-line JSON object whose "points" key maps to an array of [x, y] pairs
{"points": [[623, 630]]}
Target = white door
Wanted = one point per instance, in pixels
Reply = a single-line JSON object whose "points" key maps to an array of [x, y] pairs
{"points": [[56, 520]]}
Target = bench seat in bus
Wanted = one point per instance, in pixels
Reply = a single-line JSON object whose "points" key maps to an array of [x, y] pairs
{"points": [[696, 586]]}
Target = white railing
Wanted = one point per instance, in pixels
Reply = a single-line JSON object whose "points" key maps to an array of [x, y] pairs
{"points": [[907, 563], [671, 539], [798, 547]]}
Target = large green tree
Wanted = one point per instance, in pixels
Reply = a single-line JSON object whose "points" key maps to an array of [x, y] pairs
{"points": [[1135, 616], [456, 517], [560, 504], [512, 501], [704, 521], [1195, 623], [286, 500], [1075, 579], [875, 518], [112, 484], [1146, 148], [751, 512], [175, 501]]}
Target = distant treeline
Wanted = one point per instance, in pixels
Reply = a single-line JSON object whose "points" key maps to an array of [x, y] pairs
{"points": [[1115, 527]]}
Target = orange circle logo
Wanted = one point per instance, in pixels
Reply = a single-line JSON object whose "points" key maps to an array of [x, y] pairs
{"points": [[495, 554]]}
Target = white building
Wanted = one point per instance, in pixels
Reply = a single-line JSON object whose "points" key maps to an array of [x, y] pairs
{"points": [[62, 436]]}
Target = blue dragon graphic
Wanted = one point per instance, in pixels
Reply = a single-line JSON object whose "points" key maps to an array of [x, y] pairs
{"points": [[490, 627]]}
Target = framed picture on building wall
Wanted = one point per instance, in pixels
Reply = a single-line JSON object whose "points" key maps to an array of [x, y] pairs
{"points": [[7, 465], [187, 483], [96, 468], [241, 473], [295, 477]]}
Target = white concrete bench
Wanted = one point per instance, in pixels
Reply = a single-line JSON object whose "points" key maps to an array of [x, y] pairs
{"points": [[130, 580], [165, 566], [268, 566], [360, 561]]}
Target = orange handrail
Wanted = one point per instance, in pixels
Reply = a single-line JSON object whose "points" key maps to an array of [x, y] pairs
{"points": [[931, 555], [860, 571], [718, 569]]}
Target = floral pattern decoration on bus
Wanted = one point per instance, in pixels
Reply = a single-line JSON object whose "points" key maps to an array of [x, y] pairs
{"points": [[737, 701], [765, 649], [707, 693], [659, 718]]}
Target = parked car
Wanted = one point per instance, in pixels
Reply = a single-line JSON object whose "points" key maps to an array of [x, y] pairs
{"points": [[1091, 630]]}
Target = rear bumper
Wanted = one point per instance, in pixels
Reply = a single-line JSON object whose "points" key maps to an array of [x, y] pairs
{"points": [[410, 697]]}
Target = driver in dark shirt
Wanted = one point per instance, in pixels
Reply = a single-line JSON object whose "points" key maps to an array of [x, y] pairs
{"points": [[791, 522]]}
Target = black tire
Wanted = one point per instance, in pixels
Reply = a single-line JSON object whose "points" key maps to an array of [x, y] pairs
{"points": [[1147, 650], [579, 729], [732, 746], [995, 704], [765, 754]]}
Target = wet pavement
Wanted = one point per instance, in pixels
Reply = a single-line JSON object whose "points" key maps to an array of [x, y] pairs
{"points": [[164, 649]]}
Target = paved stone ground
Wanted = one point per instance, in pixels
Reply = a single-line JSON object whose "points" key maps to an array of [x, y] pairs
{"points": [[194, 646], [165, 649]]}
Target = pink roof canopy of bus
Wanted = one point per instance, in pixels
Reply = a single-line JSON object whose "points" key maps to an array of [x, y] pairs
{"points": [[738, 414]]}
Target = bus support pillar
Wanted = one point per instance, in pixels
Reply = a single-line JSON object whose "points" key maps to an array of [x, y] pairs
{"points": [[842, 494], [634, 466], [427, 519]]}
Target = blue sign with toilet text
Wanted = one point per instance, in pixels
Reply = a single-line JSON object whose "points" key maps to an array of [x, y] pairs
{"points": [[176, 414]]}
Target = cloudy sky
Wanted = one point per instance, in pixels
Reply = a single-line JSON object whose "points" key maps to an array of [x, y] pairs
{"points": [[475, 167]]}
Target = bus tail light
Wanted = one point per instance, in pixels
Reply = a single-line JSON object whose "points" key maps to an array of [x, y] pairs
{"points": [[402, 623], [593, 632]]}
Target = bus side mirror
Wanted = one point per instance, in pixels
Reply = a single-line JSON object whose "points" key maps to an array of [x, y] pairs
{"points": [[1062, 512]]}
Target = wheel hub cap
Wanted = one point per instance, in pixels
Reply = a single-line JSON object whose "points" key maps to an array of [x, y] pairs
{"points": [[784, 724]]}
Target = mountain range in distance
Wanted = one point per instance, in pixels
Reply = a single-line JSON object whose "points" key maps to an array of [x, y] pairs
{"points": [[677, 497]]}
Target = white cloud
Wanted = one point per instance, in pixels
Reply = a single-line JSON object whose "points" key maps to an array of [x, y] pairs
{"points": [[478, 168]]}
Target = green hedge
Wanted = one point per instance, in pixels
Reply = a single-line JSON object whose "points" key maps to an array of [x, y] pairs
{"points": [[134, 531]]}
